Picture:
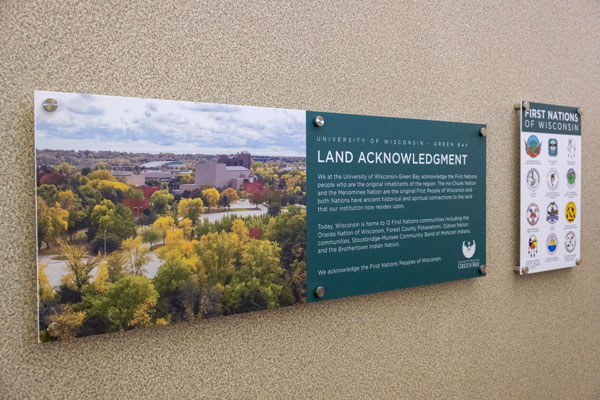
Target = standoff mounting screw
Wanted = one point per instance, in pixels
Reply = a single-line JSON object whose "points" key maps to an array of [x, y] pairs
{"points": [[580, 111], [320, 291], [483, 131], [50, 104], [525, 270], [482, 269], [319, 120], [54, 329]]}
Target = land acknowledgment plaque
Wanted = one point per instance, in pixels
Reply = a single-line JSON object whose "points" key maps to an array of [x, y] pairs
{"points": [[154, 212]]}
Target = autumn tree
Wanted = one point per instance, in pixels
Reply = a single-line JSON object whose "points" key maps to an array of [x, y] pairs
{"points": [[164, 225], [137, 254], [256, 192], [116, 265], [52, 222], [190, 208], [79, 266], [212, 197], [238, 226], [72, 203], [101, 279], [186, 226], [46, 292], [187, 178], [219, 255], [65, 322], [101, 174], [229, 195]]}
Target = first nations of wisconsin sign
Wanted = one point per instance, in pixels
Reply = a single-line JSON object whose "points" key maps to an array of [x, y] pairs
{"points": [[550, 216]]}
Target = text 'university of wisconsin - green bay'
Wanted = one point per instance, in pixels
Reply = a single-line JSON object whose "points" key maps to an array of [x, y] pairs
{"points": [[382, 157]]}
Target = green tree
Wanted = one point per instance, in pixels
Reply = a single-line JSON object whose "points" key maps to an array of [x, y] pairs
{"points": [[289, 230], [137, 254], [115, 219], [116, 264], [151, 236], [128, 303], [48, 193], [161, 201], [257, 284], [170, 276]]}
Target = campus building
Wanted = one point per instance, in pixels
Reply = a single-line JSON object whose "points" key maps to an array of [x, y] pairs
{"points": [[129, 178], [242, 159], [219, 175]]}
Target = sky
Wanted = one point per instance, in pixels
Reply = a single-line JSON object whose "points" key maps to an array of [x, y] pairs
{"points": [[94, 122]]}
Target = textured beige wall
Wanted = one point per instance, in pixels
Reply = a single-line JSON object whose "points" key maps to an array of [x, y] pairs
{"points": [[499, 337]]}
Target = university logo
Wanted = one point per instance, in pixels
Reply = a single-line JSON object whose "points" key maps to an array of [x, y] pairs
{"points": [[552, 213], [533, 179], [468, 249], [571, 149], [571, 177], [533, 244], [552, 179], [570, 241], [570, 211], [533, 146], [552, 244], [533, 214], [552, 147]]}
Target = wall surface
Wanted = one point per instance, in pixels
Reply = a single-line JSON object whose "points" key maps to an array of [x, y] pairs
{"points": [[499, 337]]}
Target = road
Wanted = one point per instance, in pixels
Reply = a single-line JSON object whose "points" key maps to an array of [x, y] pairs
{"points": [[212, 217], [58, 268]]}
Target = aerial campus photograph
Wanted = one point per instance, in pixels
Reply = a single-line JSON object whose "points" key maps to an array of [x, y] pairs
{"points": [[152, 212]]}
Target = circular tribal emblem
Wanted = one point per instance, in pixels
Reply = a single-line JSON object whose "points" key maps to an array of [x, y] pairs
{"points": [[533, 214], [533, 146], [570, 241], [533, 246], [533, 179], [552, 179], [552, 244], [552, 213], [570, 212], [571, 177]]}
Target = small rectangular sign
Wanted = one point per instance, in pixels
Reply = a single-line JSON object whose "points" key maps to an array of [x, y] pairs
{"points": [[151, 212], [550, 187]]}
